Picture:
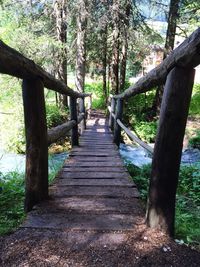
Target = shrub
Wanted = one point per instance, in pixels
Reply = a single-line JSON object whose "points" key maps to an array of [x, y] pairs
{"points": [[55, 115], [146, 130], [98, 98], [194, 105], [195, 141]]}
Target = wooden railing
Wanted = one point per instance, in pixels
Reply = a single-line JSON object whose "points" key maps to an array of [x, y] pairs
{"points": [[37, 137], [115, 123], [177, 72]]}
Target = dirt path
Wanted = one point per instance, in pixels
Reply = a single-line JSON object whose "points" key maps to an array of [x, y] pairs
{"points": [[94, 217]]}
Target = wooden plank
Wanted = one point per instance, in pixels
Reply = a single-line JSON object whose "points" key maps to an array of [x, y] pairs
{"points": [[96, 191], [84, 205], [94, 169], [94, 153], [83, 164], [75, 181], [96, 159], [92, 175], [103, 222]]}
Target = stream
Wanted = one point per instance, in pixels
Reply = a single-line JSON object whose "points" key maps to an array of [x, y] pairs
{"points": [[137, 155]]}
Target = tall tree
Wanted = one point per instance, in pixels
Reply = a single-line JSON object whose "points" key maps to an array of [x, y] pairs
{"points": [[169, 46], [125, 44], [115, 47], [81, 44], [60, 11]]}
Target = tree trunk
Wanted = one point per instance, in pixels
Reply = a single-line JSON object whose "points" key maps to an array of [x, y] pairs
{"points": [[169, 46], [115, 49], [104, 62], [81, 49], [168, 148], [171, 29], [124, 46], [60, 10], [36, 178]]}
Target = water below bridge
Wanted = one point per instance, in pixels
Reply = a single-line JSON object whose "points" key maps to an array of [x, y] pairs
{"points": [[137, 155]]}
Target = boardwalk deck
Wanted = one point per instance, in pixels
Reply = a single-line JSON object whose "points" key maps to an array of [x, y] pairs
{"points": [[93, 218], [93, 191]]}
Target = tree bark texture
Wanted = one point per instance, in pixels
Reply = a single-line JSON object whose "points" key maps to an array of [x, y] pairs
{"points": [[104, 63], [124, 45], [81, 46], [60, 10], [169, 46], [117, 128], [115, 49], [185, 55], [168, 149], [82, 111], [36, 177], [74, 117], [171, 28]]}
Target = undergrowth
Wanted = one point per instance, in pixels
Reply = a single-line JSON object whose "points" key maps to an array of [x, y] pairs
{"points": [[187, 200], [12, 197]]}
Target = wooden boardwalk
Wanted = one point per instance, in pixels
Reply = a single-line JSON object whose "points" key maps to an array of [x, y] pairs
{"points": [[93, 191]]}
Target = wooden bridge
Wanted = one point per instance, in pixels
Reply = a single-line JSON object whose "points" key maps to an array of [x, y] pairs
{"points": [[93, 191]]}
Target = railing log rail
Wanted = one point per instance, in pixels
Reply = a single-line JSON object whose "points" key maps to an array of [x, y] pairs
{"points": [[37, 137], [177, 70]]}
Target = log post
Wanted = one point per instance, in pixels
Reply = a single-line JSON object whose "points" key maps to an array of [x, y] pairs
{"points": [[82, 110], [112, 110], [90, 106], [117, 128], [168, 149], [73, 114], [36, 177]]}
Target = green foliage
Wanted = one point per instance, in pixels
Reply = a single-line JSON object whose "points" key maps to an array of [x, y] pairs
{"points": [[188, 205], [98, 98], [55, 115], [194, 105], [11, 201], [141, 177], [195, 141], [188, 199], [146, 130], [12, 197]]}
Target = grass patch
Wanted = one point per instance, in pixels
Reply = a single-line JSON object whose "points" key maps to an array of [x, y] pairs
{"points": [[12, 197], [188, 199]]}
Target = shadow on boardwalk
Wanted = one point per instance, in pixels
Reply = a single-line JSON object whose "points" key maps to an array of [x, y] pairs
{"points": [[93, 218]]}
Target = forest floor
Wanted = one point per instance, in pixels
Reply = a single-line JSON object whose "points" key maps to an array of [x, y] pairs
{"points": [[139, 247], [110, 232]]}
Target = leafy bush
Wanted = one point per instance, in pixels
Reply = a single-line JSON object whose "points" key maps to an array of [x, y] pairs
{"points": [[146, 130], [195, 141], [188, 205], [55, 115], [11, 201], [194, 105], [98, 98], [141, 177]]}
